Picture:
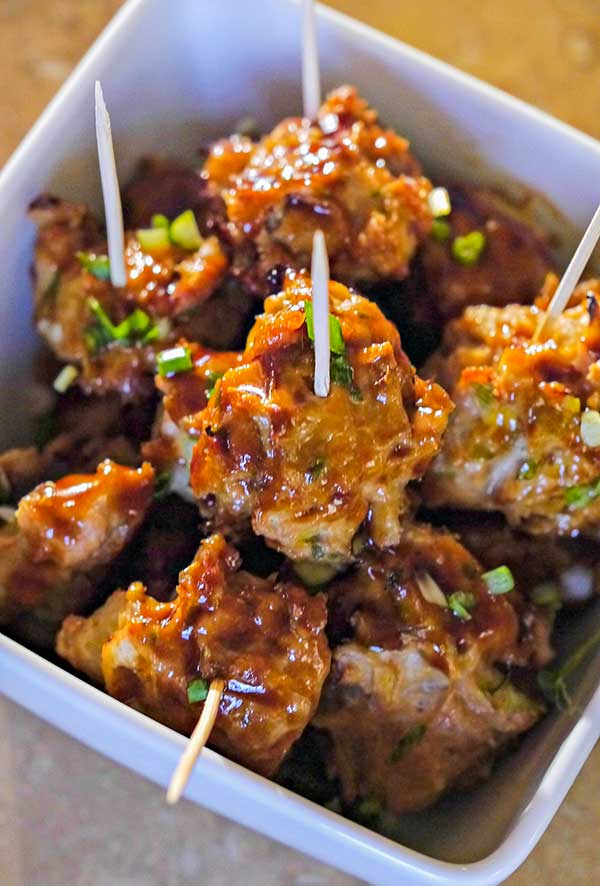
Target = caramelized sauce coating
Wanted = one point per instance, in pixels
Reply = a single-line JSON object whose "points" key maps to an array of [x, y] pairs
{"points": [[343, 174], [414, 703], [511, 268], [514, 442], [266, 639], [304, 471], [66, 533]]}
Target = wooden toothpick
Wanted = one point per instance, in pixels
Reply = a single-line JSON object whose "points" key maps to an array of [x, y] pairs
{"points": [[311, 79], [197, 741], [113, 211], [319, 272], [571, 276]]}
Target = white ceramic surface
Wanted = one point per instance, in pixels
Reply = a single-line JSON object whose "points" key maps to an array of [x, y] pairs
{"points": [[172, 81]]}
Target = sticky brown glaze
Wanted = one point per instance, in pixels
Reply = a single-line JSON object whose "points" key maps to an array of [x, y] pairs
{"points": [[414, 703], [66, 533], [568, 566], [167, 284], [166, 187], [341, 173], [306, 471], [265, 639], [184, 395], [511, 268], [513, 442]]}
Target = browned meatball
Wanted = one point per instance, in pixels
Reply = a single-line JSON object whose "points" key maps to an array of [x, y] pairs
{"points": [[265, 639], [304, 471], [517, 441], [415, 703], [341, 173], [511, 267]]}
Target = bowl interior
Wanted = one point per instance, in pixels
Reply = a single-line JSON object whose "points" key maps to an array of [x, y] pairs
{"points": [[211, 67]]}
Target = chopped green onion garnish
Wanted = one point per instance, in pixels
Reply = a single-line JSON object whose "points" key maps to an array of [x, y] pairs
{"points": [[499, 580], [460, 603], [138, 327], [370, 807], [467, 249], [98, 265], [580, 496], [152, 239], [547, 594], [336, 339], [484, 394], [160, 221], [590, 428], [184, 231], [197, 691], [553, 682], [314, 575], [174, 360], [162, 484], [528, 469], [440, 230], [410, 738], [65, 378], [211, 379], [439, 202], [572, 404]]}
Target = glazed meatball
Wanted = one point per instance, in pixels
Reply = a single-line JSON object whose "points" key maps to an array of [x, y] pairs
{"points": [[307, 472], [417, 701], [341, 173], [265, 638], [64, 536], [521, 440]]}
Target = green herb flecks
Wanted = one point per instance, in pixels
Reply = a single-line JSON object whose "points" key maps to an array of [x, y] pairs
{"points": [[553, 682], [440, 230], [460, 602], [410, 738], [468, 249], [211, 380], [137, 328], [579, 496], [173, 361], [98, 265], [341, 372], [528, 469], [197, 691], [336, 339], [499, 580], [484, 394], [547, 594]]}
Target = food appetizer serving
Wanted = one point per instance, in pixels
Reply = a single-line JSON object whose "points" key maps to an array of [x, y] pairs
{"points": [[321, 463]]}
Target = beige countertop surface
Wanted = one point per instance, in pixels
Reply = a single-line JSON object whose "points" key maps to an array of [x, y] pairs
{"points": [[69, 817]]}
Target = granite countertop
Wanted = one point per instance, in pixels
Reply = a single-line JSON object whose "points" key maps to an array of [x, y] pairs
{"points": [[69, 816]]}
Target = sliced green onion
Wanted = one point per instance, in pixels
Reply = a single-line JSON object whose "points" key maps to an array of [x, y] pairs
{"points": [[212, 378], [184, 231], [410, 738], [370, 807], [439, 202], [98, 265], [590, 428], [174, 360], [499, 580], [528, 469], [468, 248], [484, 394], [65, 378], [440, 230], [553, 683], [547, 594], [580, 496], [336, 339], [197, 691], [160, 221], [152, 239], [314, 575], [572, 404], [460, 603], [162, 484], [137, 327]]}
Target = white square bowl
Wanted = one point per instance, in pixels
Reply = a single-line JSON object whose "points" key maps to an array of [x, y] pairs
{"points": [[175, 75]]}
